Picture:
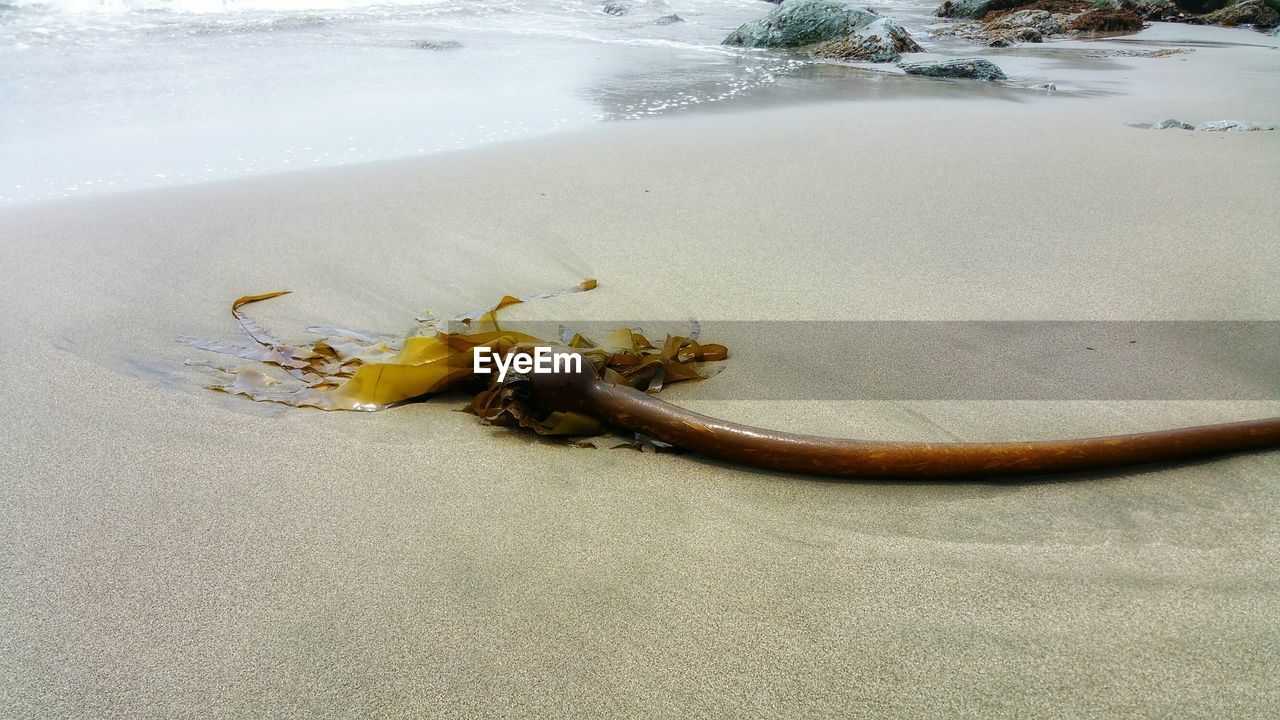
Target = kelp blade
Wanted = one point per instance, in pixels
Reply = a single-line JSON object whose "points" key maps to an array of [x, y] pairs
{"points": [[363, 370]]}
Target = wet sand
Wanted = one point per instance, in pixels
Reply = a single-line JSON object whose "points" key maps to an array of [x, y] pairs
{"points": [[172, 552]]}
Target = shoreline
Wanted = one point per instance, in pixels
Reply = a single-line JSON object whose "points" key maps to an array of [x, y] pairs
{"points": [[1081, 70]]}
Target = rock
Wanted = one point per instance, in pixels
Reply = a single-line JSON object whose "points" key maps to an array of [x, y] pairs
{"points": [[800, 23], [975, 9], [1197, 7], [881, 41], [436, 44], [1042, 22], [1161, 10], [972, 68], [1009, 39], [1171, 123], [668, 20], [1006, 38], [1042, 19], [1233, 126], [1047, 87], [835, 29], [1105, 20], [1258, 13], [615, 9]]}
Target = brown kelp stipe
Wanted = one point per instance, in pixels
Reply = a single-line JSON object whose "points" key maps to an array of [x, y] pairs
{"points": [[623, 407], [612, 393]]}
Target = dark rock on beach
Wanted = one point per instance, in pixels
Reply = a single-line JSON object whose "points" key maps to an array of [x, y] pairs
{"points": [[615, 9], [1172, 124], [1156, 10], [1203, 7], [1018, 26], [970, 68], [1105, 20], [975, 9], [1045, 18], [1199, 7], [668, 20], [1228, 13], [1115, 15], [831, 28], [1258, 13]]}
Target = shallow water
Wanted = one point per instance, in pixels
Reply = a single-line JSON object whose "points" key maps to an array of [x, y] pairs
{"points": [[123, 94], [111, 95]]}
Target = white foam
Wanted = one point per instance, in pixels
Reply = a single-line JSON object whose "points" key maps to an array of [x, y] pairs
{"points": [[208, 6]]}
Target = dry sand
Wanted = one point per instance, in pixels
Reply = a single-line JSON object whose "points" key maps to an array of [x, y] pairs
{"points": [[172, 552]]}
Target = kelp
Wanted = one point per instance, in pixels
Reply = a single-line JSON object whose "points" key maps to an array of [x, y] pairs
{"points": [[362, 370]]}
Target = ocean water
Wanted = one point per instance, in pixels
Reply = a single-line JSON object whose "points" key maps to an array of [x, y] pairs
{"points": [[110, 95]]}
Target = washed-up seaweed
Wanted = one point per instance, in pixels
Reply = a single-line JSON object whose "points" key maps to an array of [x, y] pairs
{"points": [[614, 391], [363, 370]]}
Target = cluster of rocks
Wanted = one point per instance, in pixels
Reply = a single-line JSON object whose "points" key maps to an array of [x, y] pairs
{"points": [[978, 9], [838, 30], [1258, 13], [827, 28], [1033, 22], [1000, 23]]}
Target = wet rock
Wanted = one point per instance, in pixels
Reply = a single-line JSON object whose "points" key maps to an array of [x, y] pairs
{"points": [[615, 9], [800, 23], [1233, 126], [1105, 20], [1199, 7], [1159, 10], [668, 20], [436, 44], [881, 41], [1043, 19], [1019, 26], [832, 28], [975, 9], [1196, 12], [1257, 13], [1047, 87], [1174, 124], [971, 68], [1008, 38]]}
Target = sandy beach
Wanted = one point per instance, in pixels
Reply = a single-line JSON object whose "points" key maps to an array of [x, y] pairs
{"points": [[173, 552]]}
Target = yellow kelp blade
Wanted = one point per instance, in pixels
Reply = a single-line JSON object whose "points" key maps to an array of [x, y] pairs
{"points": [[362, 370]]}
